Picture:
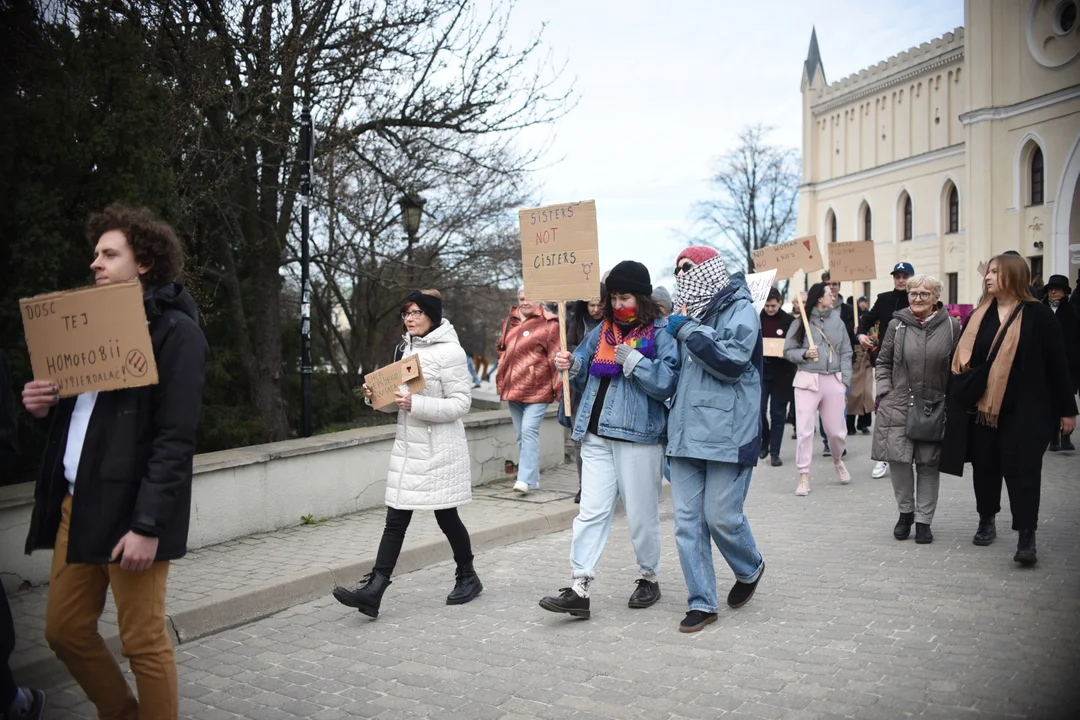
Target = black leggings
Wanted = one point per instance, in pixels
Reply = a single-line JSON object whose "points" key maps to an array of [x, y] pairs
{"points": [[397, 522], [1024, 492], [7, 644]]}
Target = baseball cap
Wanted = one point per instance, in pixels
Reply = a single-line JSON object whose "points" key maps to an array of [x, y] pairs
{"points": [[903, 267]]}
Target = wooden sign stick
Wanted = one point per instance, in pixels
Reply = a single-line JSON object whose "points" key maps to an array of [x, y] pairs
{"points": [[565, 374], [805, 320], [855, 307]]}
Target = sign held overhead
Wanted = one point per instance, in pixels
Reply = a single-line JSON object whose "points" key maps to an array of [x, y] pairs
{"points": [[560, 252], [91, 339], [789, 257], [852, 261]]}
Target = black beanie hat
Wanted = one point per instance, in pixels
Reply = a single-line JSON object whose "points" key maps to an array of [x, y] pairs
{"points": [[431, 305], [629, 277]]}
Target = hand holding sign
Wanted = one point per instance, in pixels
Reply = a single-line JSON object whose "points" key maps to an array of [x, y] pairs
{"points": [[384, 385]]}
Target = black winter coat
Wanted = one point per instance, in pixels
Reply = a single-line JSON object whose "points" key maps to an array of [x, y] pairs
{"points": [[1036, 398], [1070, 335], [884, 308], [778, 368], [136, 464]]}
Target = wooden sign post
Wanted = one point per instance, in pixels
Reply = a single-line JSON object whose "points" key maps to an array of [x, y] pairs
{"points": [[805, 320], [560, 260]]}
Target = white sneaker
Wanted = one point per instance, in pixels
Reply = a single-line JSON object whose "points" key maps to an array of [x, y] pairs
{"points": [[879, 470], [521, 487]]}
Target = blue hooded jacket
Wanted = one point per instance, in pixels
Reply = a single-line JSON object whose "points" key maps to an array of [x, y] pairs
{"points": [[716, 411]]}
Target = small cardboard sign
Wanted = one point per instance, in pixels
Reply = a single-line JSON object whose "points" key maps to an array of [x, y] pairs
{"points": [[759, 285], [385, 381], [773, 347], [91, 339], [852, 261], [560, 252], [789, 257]]}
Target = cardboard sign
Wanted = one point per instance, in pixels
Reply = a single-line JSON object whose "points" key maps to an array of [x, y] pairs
{"points": [[852, 261], [385, 381], [760, 284], [560, 252], [789, 257], [93, 339], [773, 347]]}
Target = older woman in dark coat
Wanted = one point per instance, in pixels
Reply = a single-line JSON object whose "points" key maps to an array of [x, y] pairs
{"points": [[914, 364], [1026, 400]]}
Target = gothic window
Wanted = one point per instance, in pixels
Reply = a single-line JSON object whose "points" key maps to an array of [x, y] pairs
{"points": [[1037, 177]]}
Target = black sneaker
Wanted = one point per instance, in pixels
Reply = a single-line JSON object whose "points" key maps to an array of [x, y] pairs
{"points": [[923, 536], [776, 461], [742, 592], [1067, 443], [645, 594], [763, 453], [696, 620], [569, 602], [826, 452]]}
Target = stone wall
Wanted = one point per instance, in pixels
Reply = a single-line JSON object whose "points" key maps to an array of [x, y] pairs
{"points": [[268, 487]]}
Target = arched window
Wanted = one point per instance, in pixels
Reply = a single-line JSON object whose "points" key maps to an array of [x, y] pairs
{"points": [[908, 225], [953, 222], [867, 223], [1037, 177], [832, 226]]}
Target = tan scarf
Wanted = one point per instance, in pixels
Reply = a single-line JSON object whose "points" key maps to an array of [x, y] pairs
{"points": [[989, 405]]}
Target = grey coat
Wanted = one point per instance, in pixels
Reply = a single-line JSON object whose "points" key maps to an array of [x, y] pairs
{"points": [[824, 326], [915, 360]]}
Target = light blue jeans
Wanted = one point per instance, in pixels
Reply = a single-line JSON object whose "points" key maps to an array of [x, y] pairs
{"points": [[613, 469], [708, 500], [527, 418]]}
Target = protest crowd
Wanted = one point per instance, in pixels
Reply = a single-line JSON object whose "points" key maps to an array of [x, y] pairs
{"points": [[694, 389]]}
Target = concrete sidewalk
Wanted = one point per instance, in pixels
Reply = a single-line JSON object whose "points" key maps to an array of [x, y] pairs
{"points": [[223, 586]]}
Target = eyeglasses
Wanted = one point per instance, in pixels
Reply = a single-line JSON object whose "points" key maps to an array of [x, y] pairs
{"points": [[414, 314], [683, 267], [919, 295]]}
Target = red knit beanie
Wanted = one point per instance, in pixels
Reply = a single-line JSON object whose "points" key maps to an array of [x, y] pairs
{"points": [[697, 254]]}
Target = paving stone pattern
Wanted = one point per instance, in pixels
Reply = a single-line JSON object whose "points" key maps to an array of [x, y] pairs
{"points": [[848, 622]]}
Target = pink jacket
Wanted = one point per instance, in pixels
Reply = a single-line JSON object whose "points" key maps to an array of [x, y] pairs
{"points": [[527, 358]]}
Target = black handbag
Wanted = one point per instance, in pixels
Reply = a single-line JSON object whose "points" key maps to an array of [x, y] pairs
{"points": [[925, 418], [967, 387]]}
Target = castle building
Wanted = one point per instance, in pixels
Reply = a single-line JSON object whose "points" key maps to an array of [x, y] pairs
{"points": [[953, 151]]}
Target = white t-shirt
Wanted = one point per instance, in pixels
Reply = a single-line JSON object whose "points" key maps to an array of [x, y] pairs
{"points": [[80, 419]]}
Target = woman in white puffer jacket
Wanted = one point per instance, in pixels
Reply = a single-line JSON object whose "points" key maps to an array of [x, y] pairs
{"points": [[430, 468]]}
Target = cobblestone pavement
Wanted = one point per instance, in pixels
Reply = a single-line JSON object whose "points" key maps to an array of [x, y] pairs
{"points": [[847, 622]]}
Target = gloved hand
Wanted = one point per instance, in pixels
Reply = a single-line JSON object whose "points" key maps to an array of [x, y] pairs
{"points": [[877, 402], [624, 353], [674, 322]]}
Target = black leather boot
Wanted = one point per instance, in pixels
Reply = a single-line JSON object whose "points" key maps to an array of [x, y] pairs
{"points": [[366, 596], [987, 531], [1055, 442], [903, 526], [1067, 443], [467, 586], [923, 536], [1025, 549]]}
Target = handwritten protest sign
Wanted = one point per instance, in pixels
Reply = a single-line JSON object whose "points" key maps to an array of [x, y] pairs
{"points": [[92, 339], [852, 261], [773, 347], [760, 284], [560, 252], [385, 381], [789, 257]]}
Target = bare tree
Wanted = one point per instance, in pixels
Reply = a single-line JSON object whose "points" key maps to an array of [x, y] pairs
{"points": [[757, 188], [396, 86]]}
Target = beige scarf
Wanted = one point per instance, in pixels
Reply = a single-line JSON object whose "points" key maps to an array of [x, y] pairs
{"points": [[989, 405]]}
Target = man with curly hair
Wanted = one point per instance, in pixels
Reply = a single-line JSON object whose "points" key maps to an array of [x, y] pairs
{"points": [[113, 498]]}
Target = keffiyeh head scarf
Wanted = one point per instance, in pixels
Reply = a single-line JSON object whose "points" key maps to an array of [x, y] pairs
{"points": [[699, 285]]}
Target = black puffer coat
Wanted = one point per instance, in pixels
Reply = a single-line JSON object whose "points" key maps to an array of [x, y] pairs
{"points": [[136, 464]]}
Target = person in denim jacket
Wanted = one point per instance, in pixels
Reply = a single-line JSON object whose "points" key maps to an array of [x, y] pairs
{"points": [[624, 370], [714, 430]]}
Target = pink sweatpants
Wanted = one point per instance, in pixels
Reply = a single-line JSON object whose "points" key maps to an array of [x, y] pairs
{"points": [[831, 401]]}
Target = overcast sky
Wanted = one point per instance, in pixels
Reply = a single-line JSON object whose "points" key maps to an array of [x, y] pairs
{"points": [[665, 87]]}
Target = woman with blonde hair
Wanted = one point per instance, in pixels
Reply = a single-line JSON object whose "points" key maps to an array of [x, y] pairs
{"points": [[912, 375], [1009, 394]]}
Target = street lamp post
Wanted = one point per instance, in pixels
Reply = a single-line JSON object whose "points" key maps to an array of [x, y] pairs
{"points": [[412, 208], [307, 132]]}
